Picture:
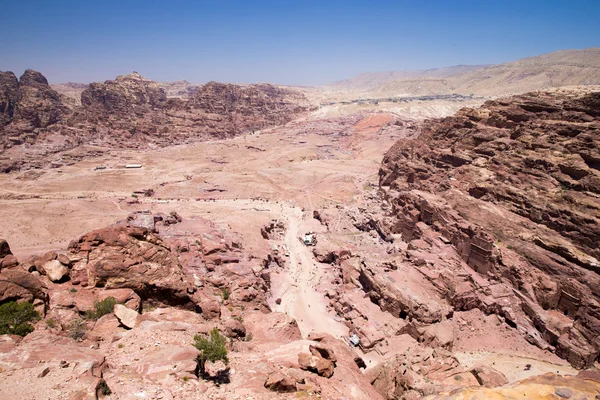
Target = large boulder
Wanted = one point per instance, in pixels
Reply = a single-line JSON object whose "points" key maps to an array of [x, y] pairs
{"points": [[55, 270], [129, 257], [18, 284], [127, 317]]}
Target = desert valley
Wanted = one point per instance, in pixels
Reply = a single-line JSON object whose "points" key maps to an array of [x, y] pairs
{"points": [[417, 234]]}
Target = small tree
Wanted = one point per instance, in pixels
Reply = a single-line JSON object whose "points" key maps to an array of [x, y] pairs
{"points": [[15, 318], [212, 348]]}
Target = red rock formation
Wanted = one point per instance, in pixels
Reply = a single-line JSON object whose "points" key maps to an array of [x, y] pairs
{"points": [[514, 186]]}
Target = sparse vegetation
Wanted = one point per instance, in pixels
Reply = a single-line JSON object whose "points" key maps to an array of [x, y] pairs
{"points": [[15, 318], [212, 347], [101, 308], [51, 323], [77, 329], [249, 336], [225, 293], [121, 345], [73, 290], [104, 389]]}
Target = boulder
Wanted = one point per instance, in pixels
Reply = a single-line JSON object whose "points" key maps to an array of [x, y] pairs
{"points": [[234, 328], [281, 383], [487, 376], [4, 248], [316, 364], [55, 270], [17, 284], [126, 316]]}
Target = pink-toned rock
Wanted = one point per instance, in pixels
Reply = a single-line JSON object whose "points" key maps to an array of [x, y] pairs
{"points": [[234, 328], [126, 316], [316, 364], [171, 360], [281, 383], [55, 270], [9, 261], [489, 377], [16, 283]]}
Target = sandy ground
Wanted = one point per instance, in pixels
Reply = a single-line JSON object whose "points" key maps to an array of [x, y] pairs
{"points": [[240, 184]]}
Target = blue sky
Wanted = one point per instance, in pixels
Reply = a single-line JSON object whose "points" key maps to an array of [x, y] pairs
{"points": [[281, 41]]}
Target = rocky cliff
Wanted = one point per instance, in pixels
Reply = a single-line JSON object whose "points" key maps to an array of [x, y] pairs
{"points": [[127, 93], [129, 112], [514, 187], [26, 106]]}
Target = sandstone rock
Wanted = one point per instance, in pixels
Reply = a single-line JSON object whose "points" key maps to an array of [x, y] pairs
{"points": [[9, 261], [126, 316], [38, 104], [55, 270], [217, 371], [539, 174], [125, 93], [4, 249], [323, 351], [316, 364], [487, 376], [171, 360], [9, 85], [281, 383], [234, 328], [129, 257], [16, 284]]}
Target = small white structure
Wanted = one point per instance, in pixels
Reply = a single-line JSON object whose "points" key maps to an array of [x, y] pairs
{"points": [[133, 166], [309, 239], [354, 340]]}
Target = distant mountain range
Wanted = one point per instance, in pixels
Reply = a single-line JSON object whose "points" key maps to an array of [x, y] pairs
{"points": [[561, 68]]}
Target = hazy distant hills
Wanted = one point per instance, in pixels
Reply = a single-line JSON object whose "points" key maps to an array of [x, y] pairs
{"points": [[561, 68], [372, 80]]}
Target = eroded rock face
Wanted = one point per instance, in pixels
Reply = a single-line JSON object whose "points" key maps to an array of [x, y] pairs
{"points": [[27, 105], [239, 109], [9, 86], [513, 187], [126, 93], [127, 257], [37, 103]]}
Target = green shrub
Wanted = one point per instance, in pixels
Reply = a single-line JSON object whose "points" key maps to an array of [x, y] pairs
{"points": [[51, 323], [101, 308], [212, 347], [15, 318]]}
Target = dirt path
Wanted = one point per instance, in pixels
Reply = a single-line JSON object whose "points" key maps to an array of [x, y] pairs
{"points": [[299, 298]]}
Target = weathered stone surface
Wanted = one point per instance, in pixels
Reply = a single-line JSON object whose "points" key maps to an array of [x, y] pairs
{"points": [[125, 93], [234, 328], [55, 270], [17, 284], [489, 377], [126, 316], [281, 383], [484, 180]]}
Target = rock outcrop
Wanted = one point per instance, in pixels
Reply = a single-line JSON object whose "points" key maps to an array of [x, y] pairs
{"points": [[26, 106], [513, 186], [126, 94]]}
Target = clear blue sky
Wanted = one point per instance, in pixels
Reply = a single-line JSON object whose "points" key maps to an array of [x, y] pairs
{"points": [[281, 41]]}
